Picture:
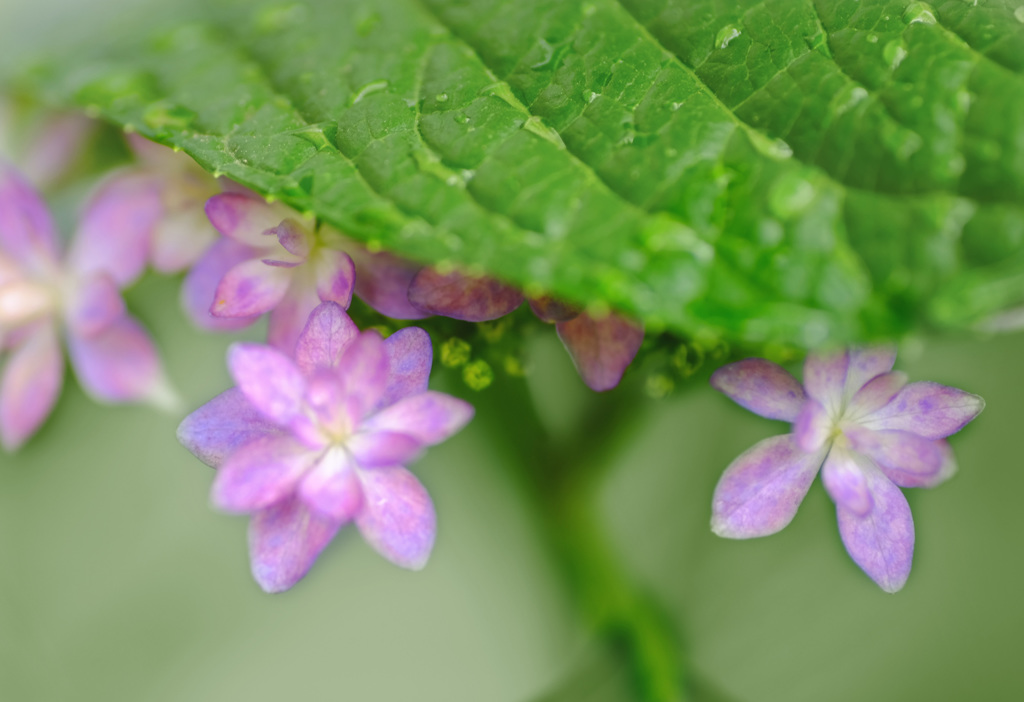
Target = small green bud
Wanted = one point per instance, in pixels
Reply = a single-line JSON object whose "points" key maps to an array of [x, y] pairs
{"points": [[478, 374], [455, 352]]}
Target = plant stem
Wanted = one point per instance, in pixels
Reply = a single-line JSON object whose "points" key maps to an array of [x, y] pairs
{"points": [[562, 479]]}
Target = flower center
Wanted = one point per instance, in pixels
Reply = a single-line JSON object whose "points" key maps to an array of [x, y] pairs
{"points": [[23, 301]]}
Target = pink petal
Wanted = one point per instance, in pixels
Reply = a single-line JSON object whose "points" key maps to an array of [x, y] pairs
{"points": [[284, 542], [927, 409], [398, 517], [383, 448], [180, 239], [261, 473], [27, 231], [460, 296], [382, 282], [868, 363], [758, 494], [217, 429], [410, 356], [327, 333], [335, 276], [825, 378], [332, 488], [119, 364], [57, 146], [200, 286], [430, 417], [268, 379], [881, 542], [289, 318], [245, 219], [115, 232], [906, 459], [249, 289], [762, 387], [96, 304], [294, 238], [551, 310], [32, 380], [875, 394], [601, 349], [364, 372], [812, 427], [845, 481]]}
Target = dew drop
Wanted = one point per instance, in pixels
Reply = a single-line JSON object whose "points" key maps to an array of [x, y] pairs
{"points": [[676, 106], [368, 89], [593, 96], [441, 97], [919, 12], [791, 195], [549, 52], [726, 34], [461, 118], [872, 38], [894, 53]]}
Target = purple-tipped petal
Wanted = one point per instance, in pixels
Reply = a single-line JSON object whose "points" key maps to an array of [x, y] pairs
{"points": [[397, 518], [875, 394], [332, 488], [223, 425], [118, 364], [200, 286], [845, 481], [812, 427], [760, 491], [284, 542], [410, 356], [430, 417], [881, 542], [56, 147], [268, 379], [289, 318], [327, 334], [866, 364], [27, 231], [97, 303], [551, 310], [460, 296], [294, 238], [601, 349], [906, 459], [261, 473], [245, 219], [116, 230], [335, 276], [382, 282], [364, 373], [930, 410], [249, 289], [762, 387], [383, 448], [180, 239], [32, 380], [825, 378]]}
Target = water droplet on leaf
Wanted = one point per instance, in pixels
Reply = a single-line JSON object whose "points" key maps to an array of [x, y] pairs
{"points": [[372, 87], [441, 97], [894, 53], [725, 35], [791, 195], [919, 12]]}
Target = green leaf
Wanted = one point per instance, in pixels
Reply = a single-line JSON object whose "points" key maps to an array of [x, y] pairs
{"points": [[771, 171]]}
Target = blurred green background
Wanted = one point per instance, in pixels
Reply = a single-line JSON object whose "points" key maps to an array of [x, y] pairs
{"points": [[117, 582]]}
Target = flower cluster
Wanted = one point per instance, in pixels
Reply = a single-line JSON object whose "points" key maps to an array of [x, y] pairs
{"points": [[868, 431]]}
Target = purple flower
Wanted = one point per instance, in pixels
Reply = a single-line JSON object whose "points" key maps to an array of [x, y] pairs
{"points": [[601, 347], [873, 432], [308, 444], [268, 261], [42, 298]]}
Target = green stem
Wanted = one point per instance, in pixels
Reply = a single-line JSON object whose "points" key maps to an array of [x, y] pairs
{"points": [[562, 478]]}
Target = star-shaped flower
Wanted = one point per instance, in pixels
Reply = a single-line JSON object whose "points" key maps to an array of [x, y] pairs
{"points": [[874, 434], [267, 261], [43, 298], [309, 443]]}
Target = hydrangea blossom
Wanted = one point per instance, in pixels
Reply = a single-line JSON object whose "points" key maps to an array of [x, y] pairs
{"points": [[869, 431], [601, 347], [42, 298], [268, 261], [309, 443]]}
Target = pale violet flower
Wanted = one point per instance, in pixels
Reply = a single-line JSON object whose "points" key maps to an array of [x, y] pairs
{"points": [[309, 443], [43, 298], [268, 260], [869, 431]]}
